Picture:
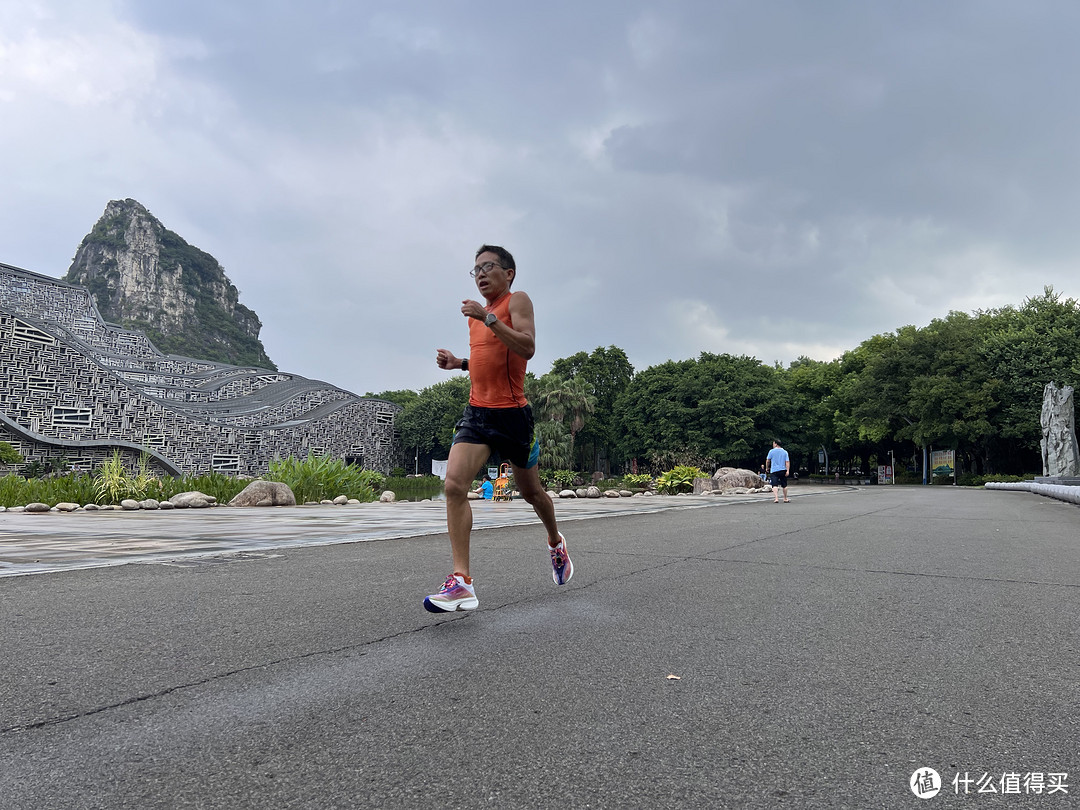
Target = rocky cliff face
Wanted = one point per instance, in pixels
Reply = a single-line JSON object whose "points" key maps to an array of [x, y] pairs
{"points": [[143, 276]]}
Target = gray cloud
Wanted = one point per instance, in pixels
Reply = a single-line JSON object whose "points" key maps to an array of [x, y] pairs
{"points": [[769, 179]]}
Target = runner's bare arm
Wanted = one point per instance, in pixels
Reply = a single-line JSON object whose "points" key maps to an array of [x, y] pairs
{"points": [[521, 340]]}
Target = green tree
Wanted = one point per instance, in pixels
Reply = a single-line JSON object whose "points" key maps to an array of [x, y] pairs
{"points": [[427, 423], [606, 372], [567, 402], [1025, 349], [9, 455], [813, 385], [403, 398], [718, 409]]}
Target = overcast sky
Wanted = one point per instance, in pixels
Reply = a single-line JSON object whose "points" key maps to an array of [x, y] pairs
{"points": [[774, 179]]}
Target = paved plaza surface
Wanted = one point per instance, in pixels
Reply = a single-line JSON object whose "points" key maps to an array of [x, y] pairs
{"points": [[709, 653]]}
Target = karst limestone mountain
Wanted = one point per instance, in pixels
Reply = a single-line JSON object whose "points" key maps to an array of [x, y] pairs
{"points": [[143, 276]]}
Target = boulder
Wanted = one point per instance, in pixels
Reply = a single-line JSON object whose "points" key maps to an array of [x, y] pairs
{"points": [[264, 493], [340, 500], [38, 507], [593, 492], [387, 497], [67, 507], [568, 493], [192, 500], [612, 493], [731, 477], [130, 505], [150, 503]]}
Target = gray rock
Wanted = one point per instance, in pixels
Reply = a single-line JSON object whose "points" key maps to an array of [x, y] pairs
{"points": [[593, 492], [192, 500], [612, 493], [265, 493], [37, 507], [625, 493], [340, 500], [130, 505], [150, 503], [91, 507], [166, 505], [568, 493], [17, 509], [1060, 456], [731, 477], [387, 497], [704, 486], [67, 507]]}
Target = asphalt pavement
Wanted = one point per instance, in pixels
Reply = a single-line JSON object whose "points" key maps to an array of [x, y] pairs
{"points": [[713, 653]]}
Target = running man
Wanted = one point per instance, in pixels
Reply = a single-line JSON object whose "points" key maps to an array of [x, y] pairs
{"points": [[778, 463], [498, 418]]}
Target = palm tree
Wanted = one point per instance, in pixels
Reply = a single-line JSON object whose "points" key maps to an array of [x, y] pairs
{"points": [[567, 402]]}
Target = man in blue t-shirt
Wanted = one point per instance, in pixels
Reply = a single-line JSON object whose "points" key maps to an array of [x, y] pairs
{"points": [[778, 465], [485, 490]]}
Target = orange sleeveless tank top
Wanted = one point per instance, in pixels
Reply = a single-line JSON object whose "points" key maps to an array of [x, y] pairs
{"points": [[496, 374]]}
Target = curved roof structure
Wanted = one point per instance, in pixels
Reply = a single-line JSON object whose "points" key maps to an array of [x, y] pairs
{"points": [[76, 386]]}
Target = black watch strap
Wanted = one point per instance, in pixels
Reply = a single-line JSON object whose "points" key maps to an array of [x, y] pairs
{"points": [[465, 364]]}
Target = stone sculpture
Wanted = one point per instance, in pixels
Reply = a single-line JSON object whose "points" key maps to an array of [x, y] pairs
{"points": [[1060, 456]]}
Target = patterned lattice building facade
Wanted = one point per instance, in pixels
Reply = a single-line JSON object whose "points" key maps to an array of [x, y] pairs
{"points": [[76, 387]]}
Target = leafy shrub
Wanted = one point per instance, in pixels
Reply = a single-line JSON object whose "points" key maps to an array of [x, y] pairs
{"points": [[113, 482], [217, 485], [414, 489], [557, 479], [18, 491], [313, 479], [679, 479], [972, 480], [638, 481], [319, 478]]}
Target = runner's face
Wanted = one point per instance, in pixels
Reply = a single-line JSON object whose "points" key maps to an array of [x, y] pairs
{"points": [[495, 281]]}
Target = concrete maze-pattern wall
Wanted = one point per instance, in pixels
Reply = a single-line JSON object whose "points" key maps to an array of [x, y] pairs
{"points": [[77, 388]]}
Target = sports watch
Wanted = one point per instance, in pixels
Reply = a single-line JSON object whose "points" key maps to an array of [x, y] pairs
{"points": [[490, 320]]}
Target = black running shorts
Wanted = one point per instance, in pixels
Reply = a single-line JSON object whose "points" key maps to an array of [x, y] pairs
{"points": [[507, 431]]}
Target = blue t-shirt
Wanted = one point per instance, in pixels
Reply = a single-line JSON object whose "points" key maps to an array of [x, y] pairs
{"points": [[778, 460], [488, 489]]}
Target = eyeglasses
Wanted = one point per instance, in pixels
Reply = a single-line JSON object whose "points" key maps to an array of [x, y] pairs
{"points": [[484, 269]]}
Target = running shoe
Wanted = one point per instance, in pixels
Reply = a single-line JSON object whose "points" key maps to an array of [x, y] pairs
{"points": [[455, 595], [561, 566]]}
